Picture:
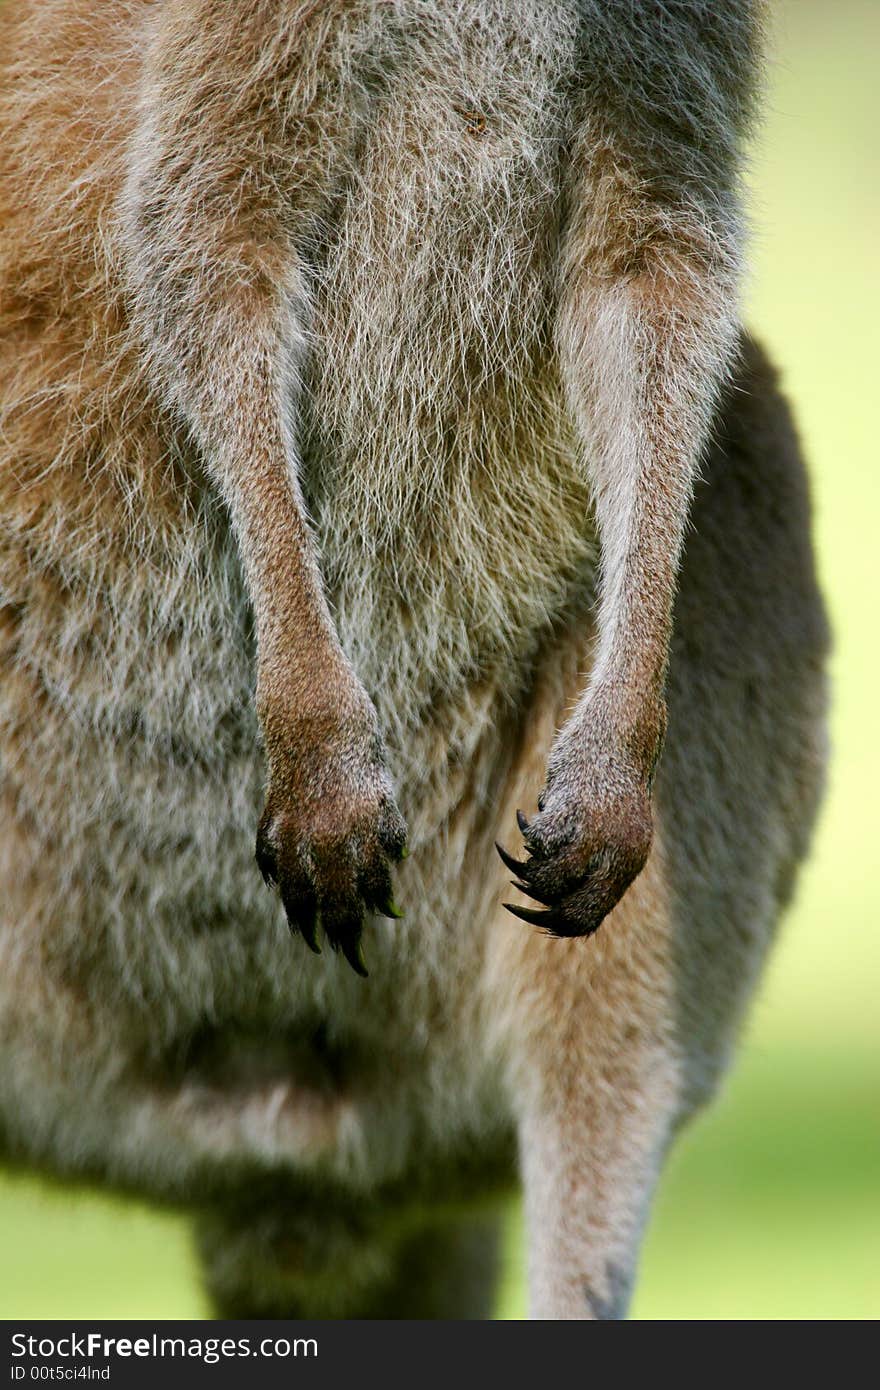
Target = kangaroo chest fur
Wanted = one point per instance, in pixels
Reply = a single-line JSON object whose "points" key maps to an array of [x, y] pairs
{"points": [[440, 464]]}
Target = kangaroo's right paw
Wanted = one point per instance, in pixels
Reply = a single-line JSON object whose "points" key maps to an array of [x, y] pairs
{"points": [[330, 833]]}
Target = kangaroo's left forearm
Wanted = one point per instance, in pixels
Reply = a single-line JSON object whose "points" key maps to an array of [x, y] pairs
{"points": [[646, 331]]}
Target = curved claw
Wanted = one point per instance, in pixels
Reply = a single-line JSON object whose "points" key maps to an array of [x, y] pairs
{"points": [[392, 910], [514, 865], [531, 892], [308, 930], [302, 917], [300, 909], [535, 918], [522, 823], [353, 950]]}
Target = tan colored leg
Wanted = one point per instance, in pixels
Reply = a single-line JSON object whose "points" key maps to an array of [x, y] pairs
{"points": [[587, 1028], [610, 1042]]}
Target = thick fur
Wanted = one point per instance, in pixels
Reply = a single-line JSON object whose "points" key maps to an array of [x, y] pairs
{"points": [[357, 362]]}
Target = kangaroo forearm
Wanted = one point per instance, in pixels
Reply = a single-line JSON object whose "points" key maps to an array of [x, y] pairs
{"points": [[220, 307], [645, 331], [645, 357], [295, 634], [262, 496], [219, 303], [640, 553], [238, 418]]}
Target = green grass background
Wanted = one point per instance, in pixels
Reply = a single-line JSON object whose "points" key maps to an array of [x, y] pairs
{"points": [[770, 1207]]}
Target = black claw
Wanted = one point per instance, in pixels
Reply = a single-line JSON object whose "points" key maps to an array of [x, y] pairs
{"points": [[531, 892], [533, 916], [522, 823], [514, 865], [308, 927], [301, 910], [304, 921], [352, 949]]}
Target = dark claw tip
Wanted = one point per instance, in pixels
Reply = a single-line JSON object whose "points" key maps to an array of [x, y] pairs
{"points": [[531, 892], [531, 915], [522, 823], [354, 954], [309, 935], [514, 865]]}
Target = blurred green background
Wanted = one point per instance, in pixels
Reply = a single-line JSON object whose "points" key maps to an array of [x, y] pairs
{"points": [[770, 1207]]}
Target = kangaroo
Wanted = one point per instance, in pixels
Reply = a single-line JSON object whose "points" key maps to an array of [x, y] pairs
{"points": [[383, 468]]}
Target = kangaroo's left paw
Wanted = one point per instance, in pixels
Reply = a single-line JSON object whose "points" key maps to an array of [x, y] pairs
{"points": [[590, 839]]}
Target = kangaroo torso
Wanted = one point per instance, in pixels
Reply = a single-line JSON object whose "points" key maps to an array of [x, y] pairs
{"points": [[358, 360]]}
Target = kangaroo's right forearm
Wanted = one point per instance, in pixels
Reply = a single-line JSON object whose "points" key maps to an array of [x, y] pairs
{"points": [[218, 304], [330, 828], [250, 451], [218, 301], [228, 361]]}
